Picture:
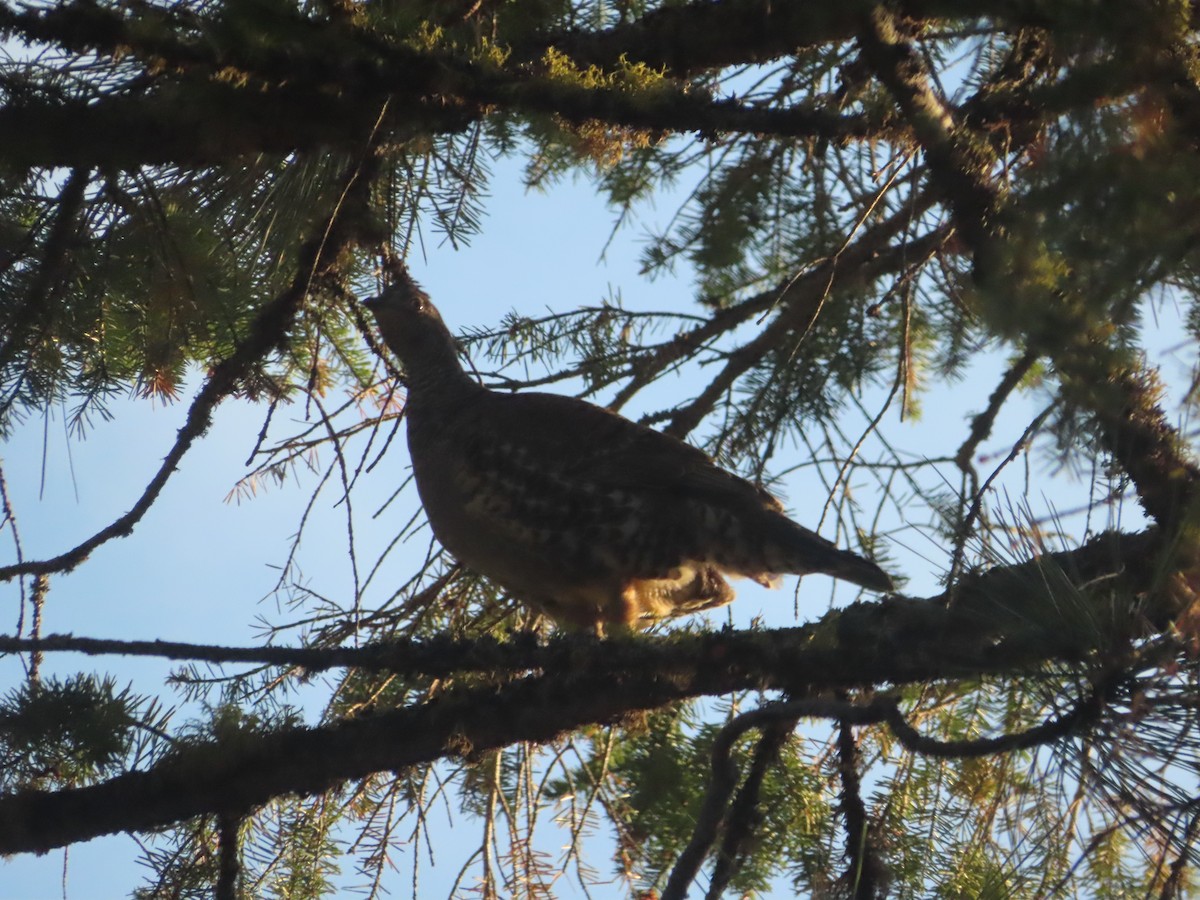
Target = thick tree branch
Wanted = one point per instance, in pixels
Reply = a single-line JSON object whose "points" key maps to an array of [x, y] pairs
{"points": [[192, 124], [228, 856], [585, 681], [287, 100], [127, 133], [251, 769], [690, 38], [694, 37]]}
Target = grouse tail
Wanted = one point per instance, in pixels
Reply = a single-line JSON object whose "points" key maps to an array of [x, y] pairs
{"points": [[805, 551], [853, 568]]}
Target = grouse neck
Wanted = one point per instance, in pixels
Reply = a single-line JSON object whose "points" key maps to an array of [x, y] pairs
{"points": [[442, 388]]}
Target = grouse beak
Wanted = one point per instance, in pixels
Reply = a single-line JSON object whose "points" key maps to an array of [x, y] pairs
{"points": [[372, 303]]}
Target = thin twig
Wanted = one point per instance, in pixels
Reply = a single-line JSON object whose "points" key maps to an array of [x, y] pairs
{"points": [[968, 523], [981, 424], [41, 585], [10, 519]]}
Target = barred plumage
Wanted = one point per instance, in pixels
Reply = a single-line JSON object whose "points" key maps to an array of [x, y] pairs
{"points": [[587, 516]]}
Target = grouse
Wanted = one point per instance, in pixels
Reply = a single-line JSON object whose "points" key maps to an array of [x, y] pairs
{"points": [[588, 517]]}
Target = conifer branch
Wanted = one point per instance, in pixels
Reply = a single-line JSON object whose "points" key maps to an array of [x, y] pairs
{"points": [[982, 422], [647, 367], [860, 265], [985, 632], [127, 133], [689, 38], [1122, 397], [318, 259], [36, 305], [1001, 621], [296, 102], [712, 813], [1064, 162], [1051, 730], [247, 770]]}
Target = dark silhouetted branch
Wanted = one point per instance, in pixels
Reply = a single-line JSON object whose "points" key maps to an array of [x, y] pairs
{"points": [[1001, 620], [865, 866], [743, 811], [228, 856], [720, 787], [246, 770]]}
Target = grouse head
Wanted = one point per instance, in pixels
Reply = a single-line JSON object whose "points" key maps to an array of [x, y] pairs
{"points": [[413, 329]]}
